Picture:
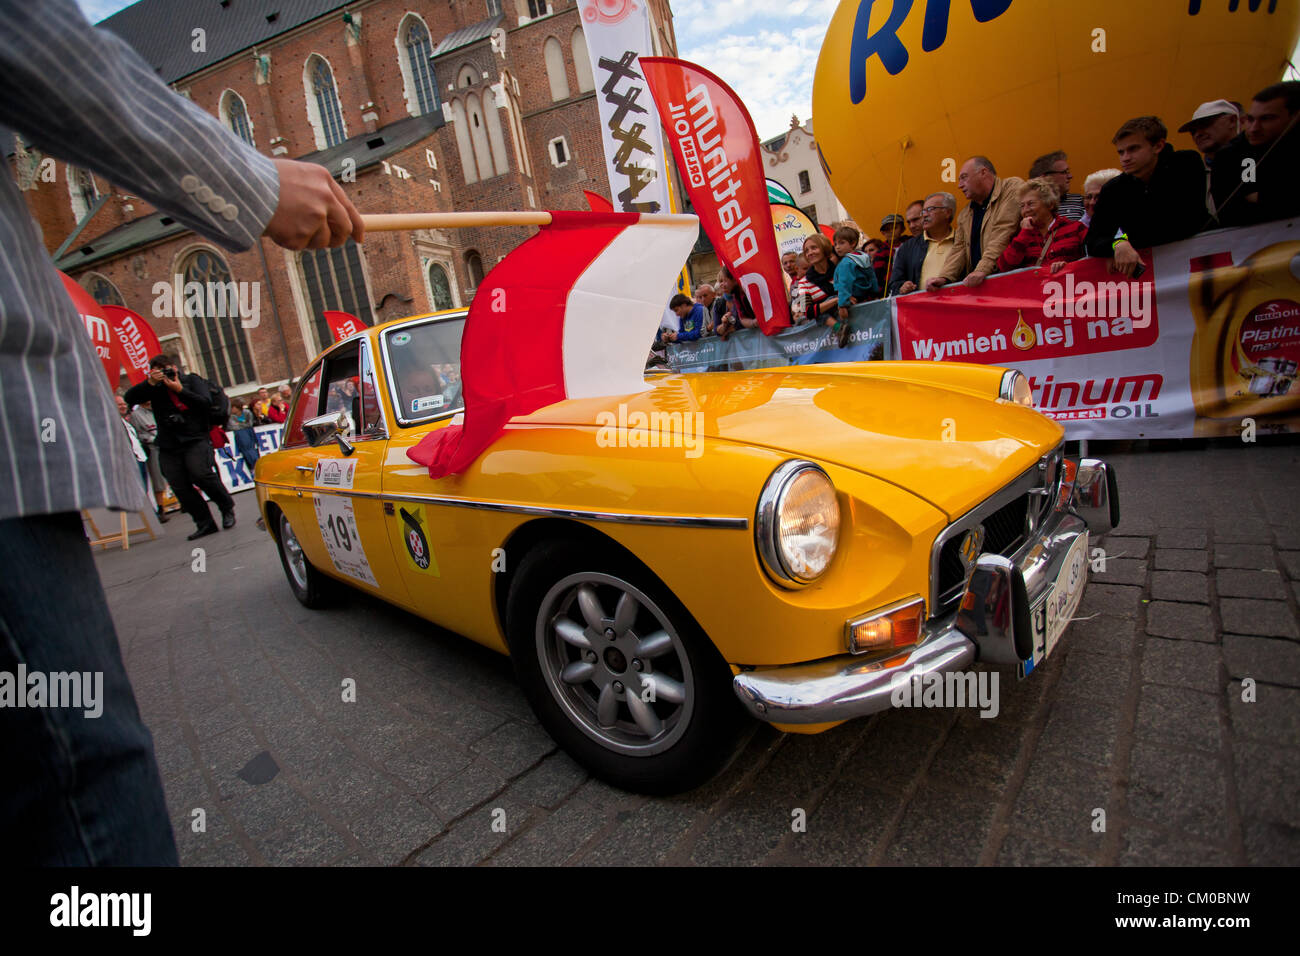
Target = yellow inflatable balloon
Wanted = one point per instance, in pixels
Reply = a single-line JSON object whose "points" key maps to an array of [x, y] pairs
{"points": [[906, 90]]}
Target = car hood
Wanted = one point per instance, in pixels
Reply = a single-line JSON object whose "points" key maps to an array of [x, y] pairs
{"points": [[951, 444]]}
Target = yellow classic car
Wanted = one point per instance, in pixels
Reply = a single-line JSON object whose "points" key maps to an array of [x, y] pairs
{"points": [[785, 544]]}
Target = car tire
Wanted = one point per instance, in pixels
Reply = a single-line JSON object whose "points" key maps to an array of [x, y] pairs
{"points": [[309, 586], [586, 628]]}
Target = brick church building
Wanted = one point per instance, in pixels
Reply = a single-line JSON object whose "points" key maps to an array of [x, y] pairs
{"points": [[413, 105]]}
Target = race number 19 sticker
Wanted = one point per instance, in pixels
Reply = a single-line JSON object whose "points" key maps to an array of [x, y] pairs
{"points": [[338, 529]]}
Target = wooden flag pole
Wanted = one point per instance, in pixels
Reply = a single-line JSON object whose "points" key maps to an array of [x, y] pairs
{"points": [[387, 222]]}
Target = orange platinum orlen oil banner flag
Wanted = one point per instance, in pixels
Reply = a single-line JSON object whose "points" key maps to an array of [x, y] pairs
{"points": [[1205, 343], [718, 155]]}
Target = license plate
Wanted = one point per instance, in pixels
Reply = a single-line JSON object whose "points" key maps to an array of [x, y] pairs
{"points": [[1053, 615]]}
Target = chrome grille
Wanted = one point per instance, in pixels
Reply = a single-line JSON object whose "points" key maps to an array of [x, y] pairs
{"points": [[1009, 516]]}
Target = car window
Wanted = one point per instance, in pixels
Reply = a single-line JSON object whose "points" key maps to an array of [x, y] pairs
{"points": [[424, 361], [341, 386], [372, 419], [305, 405]]}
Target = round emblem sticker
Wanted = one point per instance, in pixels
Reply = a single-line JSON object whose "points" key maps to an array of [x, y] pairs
{"points": [[401, 338], [417, 545], [688, 326]]}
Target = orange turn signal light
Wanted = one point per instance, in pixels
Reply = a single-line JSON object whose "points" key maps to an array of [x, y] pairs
{"points": [[895, 626]]}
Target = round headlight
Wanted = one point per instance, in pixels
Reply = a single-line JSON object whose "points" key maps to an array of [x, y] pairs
{"points": [[798, 523], [1015, 388]]}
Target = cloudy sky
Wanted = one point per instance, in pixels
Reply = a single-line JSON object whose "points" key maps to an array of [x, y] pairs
{"points": [[766, 50]]}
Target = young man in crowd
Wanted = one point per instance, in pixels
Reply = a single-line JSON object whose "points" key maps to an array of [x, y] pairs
{"points": [[1055, 168], [923, 258], [1158, 198], [690, 319], [261, 405], [1256, 177], [984, 227], [912, 215]]}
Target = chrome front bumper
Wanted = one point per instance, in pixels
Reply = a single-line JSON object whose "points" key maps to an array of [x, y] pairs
{"points": [[1001, 620]]}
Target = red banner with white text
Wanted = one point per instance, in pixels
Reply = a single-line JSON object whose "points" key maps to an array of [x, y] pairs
{"points": [[1206, 342], [97, 326], [342, 324], [136, 340], [717, 151]]}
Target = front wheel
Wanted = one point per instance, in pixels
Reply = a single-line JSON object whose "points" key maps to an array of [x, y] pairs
{"points": [[308, 585], [618, 671]]}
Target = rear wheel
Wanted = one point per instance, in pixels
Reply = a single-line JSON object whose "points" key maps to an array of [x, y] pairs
{"points": [[308, 584], [618, 671]]}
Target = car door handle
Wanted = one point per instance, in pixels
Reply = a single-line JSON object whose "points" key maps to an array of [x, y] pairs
{"points": [[305, 467]]}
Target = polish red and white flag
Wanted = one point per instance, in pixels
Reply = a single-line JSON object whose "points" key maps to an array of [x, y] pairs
{"points": [[570, 313]]}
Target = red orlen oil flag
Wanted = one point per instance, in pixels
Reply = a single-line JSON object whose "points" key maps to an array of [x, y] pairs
{"points": [[343, 324], [570, 313], [97, 327], [136, 341], [718, 154]]}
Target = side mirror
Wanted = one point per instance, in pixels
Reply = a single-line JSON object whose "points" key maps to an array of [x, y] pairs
{"points": [[332, 427]]}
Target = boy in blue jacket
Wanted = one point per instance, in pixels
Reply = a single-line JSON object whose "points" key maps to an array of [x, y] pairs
{"points": [[690, 319], [855, 279]]}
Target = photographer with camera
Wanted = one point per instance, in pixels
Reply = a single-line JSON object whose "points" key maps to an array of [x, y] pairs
{"points": [[181, 407]]}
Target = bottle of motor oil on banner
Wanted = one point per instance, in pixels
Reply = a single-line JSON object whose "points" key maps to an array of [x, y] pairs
{"points": [[1246, 348]]}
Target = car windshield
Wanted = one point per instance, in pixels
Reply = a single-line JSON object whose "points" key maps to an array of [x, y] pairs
{"points": [[424, 362]]}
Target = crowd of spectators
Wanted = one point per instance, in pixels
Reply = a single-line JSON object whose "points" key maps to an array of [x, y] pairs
{"points": [[1245, 170]]}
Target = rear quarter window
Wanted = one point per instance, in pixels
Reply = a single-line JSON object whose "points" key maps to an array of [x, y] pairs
{"points": [[306, 405]]}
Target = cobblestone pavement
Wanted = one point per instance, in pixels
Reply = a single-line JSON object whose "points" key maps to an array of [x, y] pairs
{"points": [[1139, 714]]}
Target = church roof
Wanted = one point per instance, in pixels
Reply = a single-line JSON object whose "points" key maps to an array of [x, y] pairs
{"points": [[162, 31]]}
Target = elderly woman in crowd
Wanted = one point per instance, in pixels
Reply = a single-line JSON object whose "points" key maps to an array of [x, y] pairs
{"points": [[1044, 235], [1092, 189]]}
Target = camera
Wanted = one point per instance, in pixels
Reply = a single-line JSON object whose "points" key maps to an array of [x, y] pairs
{"points": [[170, 373]]}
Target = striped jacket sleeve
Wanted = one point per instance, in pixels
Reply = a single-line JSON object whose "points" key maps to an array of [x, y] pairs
{"points": [[84, 95]]}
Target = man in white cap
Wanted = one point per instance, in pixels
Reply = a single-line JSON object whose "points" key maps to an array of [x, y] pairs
{"points": [[1213, 126]]}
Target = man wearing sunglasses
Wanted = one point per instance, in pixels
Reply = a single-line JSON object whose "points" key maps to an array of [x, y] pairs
{"points": [[923, 257]]}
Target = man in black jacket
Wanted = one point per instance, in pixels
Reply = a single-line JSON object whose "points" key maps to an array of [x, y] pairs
{"points": [[181, 407], [1256, 176], [1159, 198]]}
